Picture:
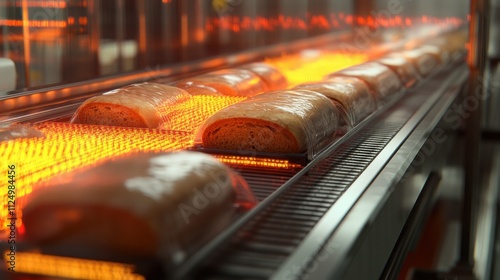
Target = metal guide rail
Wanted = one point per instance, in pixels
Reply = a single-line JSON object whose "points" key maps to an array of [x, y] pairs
{"points": [[281, 236], [300, 209]]}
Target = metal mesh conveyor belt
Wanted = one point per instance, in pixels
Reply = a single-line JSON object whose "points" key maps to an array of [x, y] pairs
{"points": [[277, 241], [262, 246]]}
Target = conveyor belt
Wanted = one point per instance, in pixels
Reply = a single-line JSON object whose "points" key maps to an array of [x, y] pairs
{"points": [[260, 248], [265, 244]]}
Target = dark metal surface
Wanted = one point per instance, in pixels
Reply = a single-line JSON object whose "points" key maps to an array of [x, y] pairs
{"points": [[410, 231], [476, 60], [20, 105], [279, 238]]}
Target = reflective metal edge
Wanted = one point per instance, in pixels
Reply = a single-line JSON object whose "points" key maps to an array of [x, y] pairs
{"points": [[487, 216], [372, 177], [23, 100], [223, 237]]}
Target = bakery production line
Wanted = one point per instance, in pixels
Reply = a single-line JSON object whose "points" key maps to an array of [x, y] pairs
{"points": [[384, 111]]}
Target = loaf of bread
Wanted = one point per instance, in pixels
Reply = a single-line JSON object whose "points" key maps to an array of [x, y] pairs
{"points": [[435, 49], [139, 105], [229, 82], [381, 80], [274, 122], [271, 76], [157, 205], [454, 43], [422, 60], [406, 71], [351, 93]]}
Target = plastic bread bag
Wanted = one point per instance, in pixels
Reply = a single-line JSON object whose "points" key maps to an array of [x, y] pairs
{"points": [[422, 60], [145, 105], [143, 206], [352, 94], [407, 72], [454, 42], [271, 76], [229, 82], [284, 122], [17, 131], [381, 80], [435, 49]]}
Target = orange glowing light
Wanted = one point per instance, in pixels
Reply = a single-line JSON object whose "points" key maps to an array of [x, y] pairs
{"points": [[325, 22], [189, 115], [34, 23], [258, 162], [54, 4], [67, 147], [64, 267], [299, 69]]}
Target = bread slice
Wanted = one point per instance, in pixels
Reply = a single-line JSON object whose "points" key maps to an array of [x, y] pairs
{"points": [[352, 94], [271, 76], [274, 122], [138, 105], [161, 206], [228, 82], [382, 81]]}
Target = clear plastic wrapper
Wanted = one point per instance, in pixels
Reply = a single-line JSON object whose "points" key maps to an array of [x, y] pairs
{"points": [[423, 61], [285, 122], [229, 82], [164, 206], [352, 94], [271, 76], [407, 72], [449, 47], [435, 49], [12, 132], [383, 82], [454, 43], [139, 105]]}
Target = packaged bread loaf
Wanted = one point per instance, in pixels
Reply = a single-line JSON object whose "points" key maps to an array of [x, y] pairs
{"points": [[139, 105], [454, 43], [436, 49], [275, 122], [143, 205], [229, 82], [351, 93], [403, 67], [422, 60], [271, 76], [382, 81]]}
